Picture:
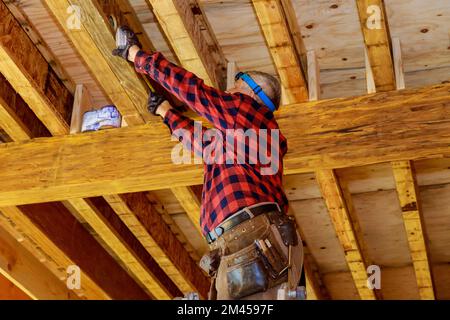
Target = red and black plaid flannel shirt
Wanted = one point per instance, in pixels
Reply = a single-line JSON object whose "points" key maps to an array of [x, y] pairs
{"points": [[227, 187]]}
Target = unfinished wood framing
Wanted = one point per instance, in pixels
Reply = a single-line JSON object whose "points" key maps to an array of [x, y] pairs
{"points": [[412, 217], [184, 35], [272, 18], [374, 26], [346, 230], [367, 168]]}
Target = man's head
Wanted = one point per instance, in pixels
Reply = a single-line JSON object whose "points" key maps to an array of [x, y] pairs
{"points": [[269, 84]]}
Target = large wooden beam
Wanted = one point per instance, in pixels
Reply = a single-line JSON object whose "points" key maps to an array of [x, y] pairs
{"points": [[184, 34], [327, 134], [375, 30], [278, 23]]}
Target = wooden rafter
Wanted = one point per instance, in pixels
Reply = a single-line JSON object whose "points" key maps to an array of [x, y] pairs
{"points": [[184, 34], [376, 37], [274, 17], [94, 41], [407, 191], [387, 72], [20, 267]]}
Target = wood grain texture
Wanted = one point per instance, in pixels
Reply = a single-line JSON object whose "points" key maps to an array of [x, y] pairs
{"points": [[180, 265], [31, 75], [408, 196], [26, 272], [57, 259], [184, 34], [347, 230], [9, 291], [190, 203], [95, 42], [327, 134], [272, 18], [376, 38]]}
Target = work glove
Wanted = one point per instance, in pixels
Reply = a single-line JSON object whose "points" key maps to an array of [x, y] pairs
{"points": [[125, 39], [154, 101]]}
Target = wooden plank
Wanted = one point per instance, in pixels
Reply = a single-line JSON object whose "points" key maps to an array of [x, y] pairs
{"points": [[398, 64], [408, 193], [370, 81], [119, 246], [326, 134], [184, 34], [412, 217], [27, 273], [272, 18], [313, 76], [9, 291], [81, 104], [190, 204], [94, 41], [15, 222], [374, 26], [232, 70], [41, 89], [347, 232], [141, 216]]}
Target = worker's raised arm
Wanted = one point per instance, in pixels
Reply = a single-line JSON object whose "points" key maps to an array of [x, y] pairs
{"points": [[218, 107]]}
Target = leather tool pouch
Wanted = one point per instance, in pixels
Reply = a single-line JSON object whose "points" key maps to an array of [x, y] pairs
{"points": [[246, 273], [256, 267], [210, 262], [286, 227]]}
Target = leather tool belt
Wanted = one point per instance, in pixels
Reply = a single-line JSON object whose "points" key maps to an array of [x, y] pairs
{"points": [[252, 252], [241, 216]]}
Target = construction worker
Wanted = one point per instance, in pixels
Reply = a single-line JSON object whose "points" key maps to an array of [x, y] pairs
{"points": [[254, 247]]}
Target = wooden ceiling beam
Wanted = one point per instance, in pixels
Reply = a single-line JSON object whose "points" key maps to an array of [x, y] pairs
{"points": [[374, 26], [178, 263], [184, 33], [40, 244], [93, 40], [279, 26], [29, 73], [326, 134], [26, 272], [347, 230], [408, 192], [9, 291]]}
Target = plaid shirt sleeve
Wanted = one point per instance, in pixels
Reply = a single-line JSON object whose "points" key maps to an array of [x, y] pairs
{"points": [[218, 107], [184, 129]]}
